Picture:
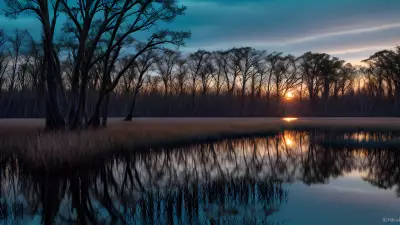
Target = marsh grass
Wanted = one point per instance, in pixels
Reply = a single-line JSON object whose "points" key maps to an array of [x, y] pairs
{"points": [[38, 149], [47, 150]]}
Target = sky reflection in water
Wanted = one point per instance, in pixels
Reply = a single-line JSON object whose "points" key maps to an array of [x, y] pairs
{"points": [[291, 178]]}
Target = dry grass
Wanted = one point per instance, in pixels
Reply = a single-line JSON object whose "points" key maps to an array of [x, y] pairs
{"points": [[39, 149]]}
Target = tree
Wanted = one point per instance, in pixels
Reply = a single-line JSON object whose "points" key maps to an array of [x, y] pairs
{"points": [[246, 60], [222, 60], [197, 62], [142, 66], [165, 66], [181, 75], [112, 25], [17, 41], [102, 29], [329, 70], [310, 66], [47, 12], [36, 72], [284, 75], [206, 73], [344, 80], [387, 62], [272, 59], [4, 59], [217, 72]]}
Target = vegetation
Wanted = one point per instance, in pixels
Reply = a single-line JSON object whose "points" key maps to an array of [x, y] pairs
{"points": [[50, 150], [96, 33]]}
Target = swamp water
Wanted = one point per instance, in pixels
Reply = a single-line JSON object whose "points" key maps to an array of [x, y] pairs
{"points": [[290, 178]]}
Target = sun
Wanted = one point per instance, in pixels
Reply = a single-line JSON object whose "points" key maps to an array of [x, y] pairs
{"points": [[289, 95]]}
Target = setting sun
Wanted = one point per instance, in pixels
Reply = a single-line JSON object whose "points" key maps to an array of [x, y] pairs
{"points": [[289, 95]]}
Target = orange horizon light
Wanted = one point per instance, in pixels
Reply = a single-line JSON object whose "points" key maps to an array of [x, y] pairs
{"points": [[289, 95], [289, 119]]}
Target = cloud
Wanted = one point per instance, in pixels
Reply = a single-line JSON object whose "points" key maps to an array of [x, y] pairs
{"points": [[346, 28], [342, 27]]}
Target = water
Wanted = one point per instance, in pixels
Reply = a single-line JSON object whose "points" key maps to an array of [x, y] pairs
{"points": [[290, 178]]}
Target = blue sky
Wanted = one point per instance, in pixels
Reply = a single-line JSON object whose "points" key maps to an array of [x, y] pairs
{"points": [[349, 29]]}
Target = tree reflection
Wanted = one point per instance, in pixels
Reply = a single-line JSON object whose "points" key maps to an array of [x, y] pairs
{"points": [[231, 181]]}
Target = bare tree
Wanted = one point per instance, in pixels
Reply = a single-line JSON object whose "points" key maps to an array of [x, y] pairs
{"points": [[387, 62], [96, 24], [4, 59], [196, 62], [271, 59], [47, 12], [222, 59], [17, 41], [247, 59], [310, 65], [344, 80], [143, 65], [113, 28], [181, 76], [217, 72], [36, 72], [165, 66], [205, 74]]}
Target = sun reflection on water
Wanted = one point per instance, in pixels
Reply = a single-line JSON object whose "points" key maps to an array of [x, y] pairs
{"points": [[289, 142], [289, 139]]}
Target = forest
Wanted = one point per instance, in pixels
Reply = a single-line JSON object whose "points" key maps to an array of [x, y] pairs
{"points": [[98, 68]]}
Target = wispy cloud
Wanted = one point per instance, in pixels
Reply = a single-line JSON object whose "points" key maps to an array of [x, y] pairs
{"points": [[350, 29], [341, 33]]}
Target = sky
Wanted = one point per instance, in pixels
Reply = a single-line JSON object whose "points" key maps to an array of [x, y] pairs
{"points": [[349, 29]]}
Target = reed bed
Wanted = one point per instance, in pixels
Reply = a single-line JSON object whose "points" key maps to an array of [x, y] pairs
{"points": [[27, 138]]}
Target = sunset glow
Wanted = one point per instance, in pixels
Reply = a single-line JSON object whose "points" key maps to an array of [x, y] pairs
{"points": [[289, 95], [289, 139], [289, 142], [289, 119]]}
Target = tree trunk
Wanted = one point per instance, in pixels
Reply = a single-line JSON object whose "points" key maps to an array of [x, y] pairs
{"points": [[397, 99], [94, 120], [78, 120], [326, 94], [132, 107], [105, 110], [55, 99], [243, 88]]}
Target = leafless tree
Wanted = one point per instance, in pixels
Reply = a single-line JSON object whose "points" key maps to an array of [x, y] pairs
{"points": [[47, 12], [142, 66], [197, 62], [165, 66], [181, 76]]}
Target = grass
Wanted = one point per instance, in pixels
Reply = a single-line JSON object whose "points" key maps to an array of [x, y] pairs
{"points": [[44, 150]]}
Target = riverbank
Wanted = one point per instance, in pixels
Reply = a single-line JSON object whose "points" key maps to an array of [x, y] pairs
{"points": [[39, 149]]}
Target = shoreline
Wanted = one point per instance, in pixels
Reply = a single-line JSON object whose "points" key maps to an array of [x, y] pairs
{"points": [[49, 150]]}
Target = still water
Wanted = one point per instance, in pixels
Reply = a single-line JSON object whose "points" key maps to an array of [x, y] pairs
{"points": [[290, 178]]}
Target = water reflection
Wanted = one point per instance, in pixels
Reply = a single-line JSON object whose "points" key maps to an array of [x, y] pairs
{"points": [[228, 182]]}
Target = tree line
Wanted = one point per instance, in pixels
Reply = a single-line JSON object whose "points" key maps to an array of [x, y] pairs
{"points": [[97, 68], [96, 32]]}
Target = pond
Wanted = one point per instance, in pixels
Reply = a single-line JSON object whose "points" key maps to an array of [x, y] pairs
{"points": [[294, 177]]}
